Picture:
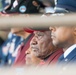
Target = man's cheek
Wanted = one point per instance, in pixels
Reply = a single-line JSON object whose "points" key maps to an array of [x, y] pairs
{"points": [[63, 37], [58, 35], [43, 45]]}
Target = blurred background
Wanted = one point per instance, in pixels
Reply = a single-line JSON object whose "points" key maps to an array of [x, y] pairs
{"points": [[3, 3]]}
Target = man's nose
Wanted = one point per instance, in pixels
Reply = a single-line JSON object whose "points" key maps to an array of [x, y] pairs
{"points": [[52, 29], [28, 51]]}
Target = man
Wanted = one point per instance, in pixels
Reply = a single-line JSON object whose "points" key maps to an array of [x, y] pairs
{"points": [[65, 37], [10, 49], [27, 36], [42, 47], [31, 59]]}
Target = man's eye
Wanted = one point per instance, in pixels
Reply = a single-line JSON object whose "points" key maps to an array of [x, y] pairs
{"points": [[41, 34]]}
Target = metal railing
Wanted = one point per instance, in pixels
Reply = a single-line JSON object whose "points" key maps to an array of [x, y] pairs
{"points": [[36, 21]]}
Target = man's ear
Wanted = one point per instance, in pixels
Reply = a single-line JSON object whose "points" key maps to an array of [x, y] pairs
{"points": [[75, 30]]}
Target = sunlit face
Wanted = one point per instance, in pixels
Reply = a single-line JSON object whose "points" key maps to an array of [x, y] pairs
{"points": [[62, 35], [41, 44]]}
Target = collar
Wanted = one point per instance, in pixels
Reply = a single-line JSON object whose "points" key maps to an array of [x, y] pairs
{"points": [[45, 59], [69, 50]]}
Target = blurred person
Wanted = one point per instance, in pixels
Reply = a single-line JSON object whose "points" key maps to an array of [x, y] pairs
{"points": [[65, 37], [27, 36], [68, 41], [31, 59], [8, 50], [12, 45], [42, 47]]}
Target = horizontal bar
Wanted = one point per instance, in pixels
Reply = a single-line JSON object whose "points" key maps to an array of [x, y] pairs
{"points": [[36, 21]]}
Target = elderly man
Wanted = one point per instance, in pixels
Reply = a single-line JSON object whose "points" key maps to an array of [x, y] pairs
{"points": [[42, 47], [31, 59]]}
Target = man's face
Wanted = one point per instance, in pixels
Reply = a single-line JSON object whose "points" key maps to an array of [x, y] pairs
{"points": [[62, 35], [41, 44], [30, 58]]}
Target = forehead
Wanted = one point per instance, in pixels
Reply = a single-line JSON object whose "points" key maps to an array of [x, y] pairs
{"points": [[41, 32], [38, 32], [63, 27]]}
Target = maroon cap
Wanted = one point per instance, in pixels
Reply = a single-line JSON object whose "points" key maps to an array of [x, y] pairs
{"points": [[29, 30]]}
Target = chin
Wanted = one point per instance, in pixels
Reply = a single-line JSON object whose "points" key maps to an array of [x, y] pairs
{"points": [[55, 43]]}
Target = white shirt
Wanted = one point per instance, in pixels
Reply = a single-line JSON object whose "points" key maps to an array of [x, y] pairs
{"points": [[69, 50]]}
